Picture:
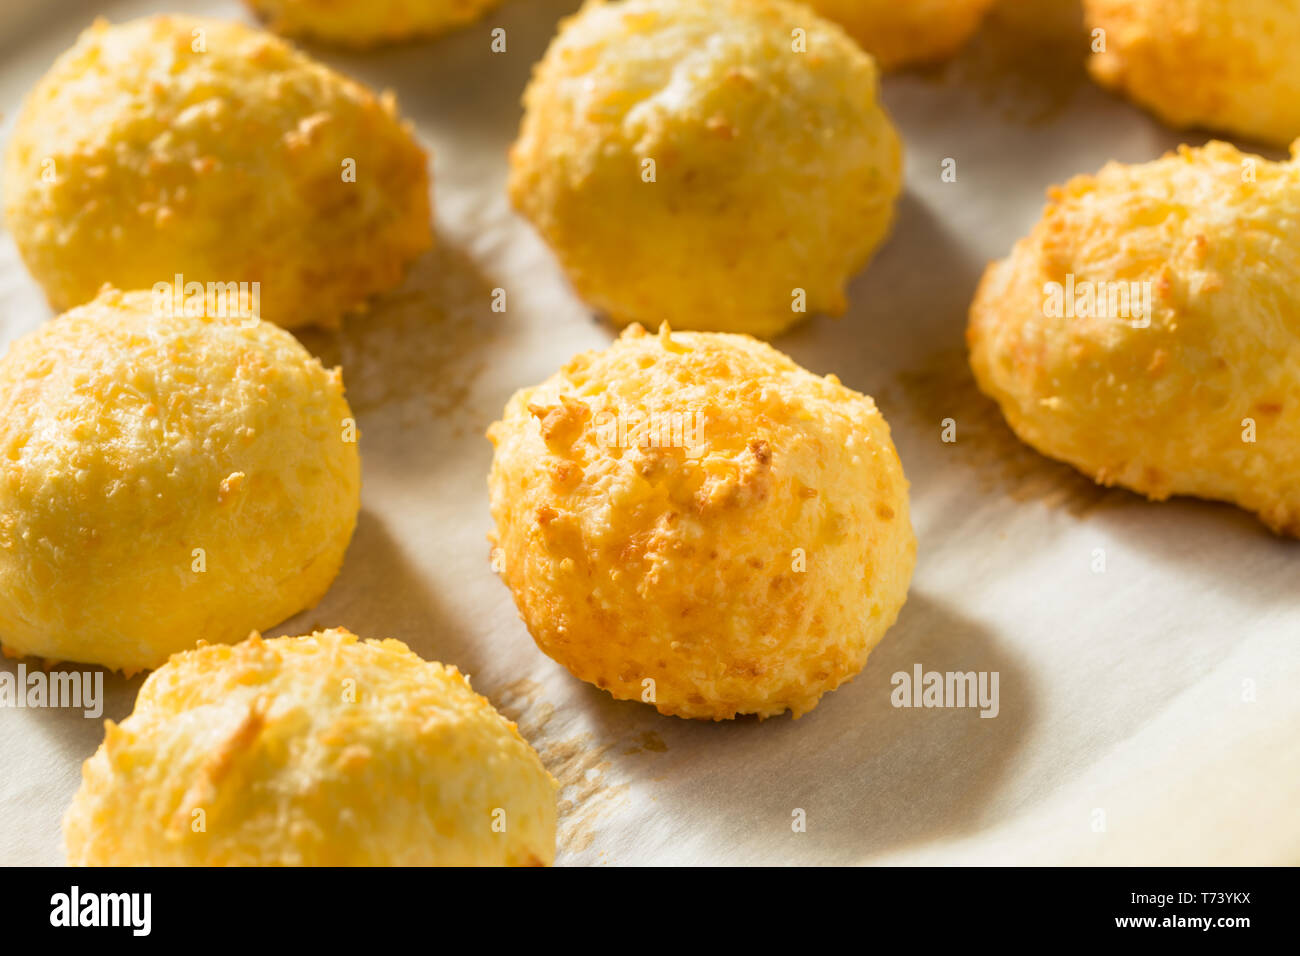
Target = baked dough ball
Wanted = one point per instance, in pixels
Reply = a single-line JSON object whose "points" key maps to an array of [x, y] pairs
{"points": [[905, 32], [165, 479], [174, 145], [774, 171], [1195, 393], [367, 23], [692, 520], [311, 751], [1223, 64]]}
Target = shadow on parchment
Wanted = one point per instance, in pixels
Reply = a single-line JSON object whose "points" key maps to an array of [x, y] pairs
{"points": [[477, 97], [412, 362], [1027, 61], [897, 312], [381, 593], [871, 777]]}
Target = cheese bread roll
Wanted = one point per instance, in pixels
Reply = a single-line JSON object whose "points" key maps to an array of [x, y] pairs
{"points": [[694, 521], [181, 146], [165, 479], [1147, 330], [724, 165], [902, 33], [1228, 65], [311, 751], [367, 23]]}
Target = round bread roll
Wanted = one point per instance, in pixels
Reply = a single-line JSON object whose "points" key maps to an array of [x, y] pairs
{"points": [[694, 521], [902, 33], [165, 479], [725, 165], [368, 23], [1147, 330], [311, 751], [180, 146], [1222, 64]]}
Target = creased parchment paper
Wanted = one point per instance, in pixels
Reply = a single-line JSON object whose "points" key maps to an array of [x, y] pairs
{"points": [[1147, 714]]}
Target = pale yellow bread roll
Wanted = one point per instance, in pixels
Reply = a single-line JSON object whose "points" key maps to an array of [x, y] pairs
{"points": [[700, 163], [694, 521], [311, 751], [368, 23], [165, 479], [1228, 65], [1197, 392], [178, 145]]}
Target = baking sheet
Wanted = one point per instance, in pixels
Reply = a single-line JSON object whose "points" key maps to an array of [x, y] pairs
{"points": [[1147, 714]]}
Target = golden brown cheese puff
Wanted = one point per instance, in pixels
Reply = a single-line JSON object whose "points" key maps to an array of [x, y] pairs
{"points": [[702, 162], [311, 751], [902, 33], [165, 479], [175, 145], [367, 23], [694, 521], [1223, 64], [1147, 330]]}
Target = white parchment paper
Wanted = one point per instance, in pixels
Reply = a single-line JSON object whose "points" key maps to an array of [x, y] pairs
{"points": [[1148, 714]]}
